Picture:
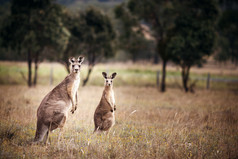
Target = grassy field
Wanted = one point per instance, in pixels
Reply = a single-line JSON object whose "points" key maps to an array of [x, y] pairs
{"points": [[149, 124]]}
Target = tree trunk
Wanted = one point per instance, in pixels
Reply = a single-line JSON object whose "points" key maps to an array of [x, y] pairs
{"points": [[66, 58], [185, 77], [163, 82], [91, 63], [161, 47], [133, 58], [36, 69], [156, 58], [29, 61], [85, 81]]}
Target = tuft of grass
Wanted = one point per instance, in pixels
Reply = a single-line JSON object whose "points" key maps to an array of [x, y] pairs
{"points": [[8, 132]]}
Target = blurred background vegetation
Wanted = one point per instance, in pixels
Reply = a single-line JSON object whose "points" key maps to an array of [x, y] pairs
{"points": [[181, 34]]}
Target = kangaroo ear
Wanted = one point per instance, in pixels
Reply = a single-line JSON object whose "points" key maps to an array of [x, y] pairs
{"points": [[71, 60], [113, 75], [80, 59], [104, 75]]}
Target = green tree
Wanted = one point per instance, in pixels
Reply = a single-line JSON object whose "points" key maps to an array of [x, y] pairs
{"points": [[222, 48], [93, 35], [73, 24], [32, 26], [159, 15], [48, 31], [131, 37], [4, 13], [194, 34], [228, 33]]}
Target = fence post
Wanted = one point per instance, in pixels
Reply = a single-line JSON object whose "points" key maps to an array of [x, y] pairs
{"points": [[51, 75], [208, 80], [157, 79]]}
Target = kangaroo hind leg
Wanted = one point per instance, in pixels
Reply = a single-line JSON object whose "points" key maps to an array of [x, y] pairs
{"points": [[41, 131], [59, 121]]}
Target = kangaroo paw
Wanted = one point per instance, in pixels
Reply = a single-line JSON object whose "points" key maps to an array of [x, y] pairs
{"points": [[72, 110]]}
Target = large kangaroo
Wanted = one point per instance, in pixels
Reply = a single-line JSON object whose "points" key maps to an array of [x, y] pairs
{"points": [[53, 110], [104, 117]]}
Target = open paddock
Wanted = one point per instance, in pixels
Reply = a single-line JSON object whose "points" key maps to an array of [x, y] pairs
{"points": [[149, 124]]}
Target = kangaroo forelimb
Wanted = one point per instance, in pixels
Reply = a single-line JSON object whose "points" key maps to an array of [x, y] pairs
{"points": [[69, 90], [76, 98], [73, 106]]}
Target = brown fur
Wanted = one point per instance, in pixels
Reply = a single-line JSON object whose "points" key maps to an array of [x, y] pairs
{"points": [[104, 117], [53, 110]]}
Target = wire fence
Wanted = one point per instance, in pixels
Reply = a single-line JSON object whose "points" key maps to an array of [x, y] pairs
{"points": [[208, 79]]}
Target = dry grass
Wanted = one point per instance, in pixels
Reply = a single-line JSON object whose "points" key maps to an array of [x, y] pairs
{"points": [[149, 124]]}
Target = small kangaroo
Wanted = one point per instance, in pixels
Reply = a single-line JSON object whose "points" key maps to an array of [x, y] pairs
{"points": [[104, 117], [53, 110]]}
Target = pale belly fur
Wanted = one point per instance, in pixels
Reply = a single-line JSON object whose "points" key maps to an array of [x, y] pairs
{"points": [[75, 88], [112, 98]]}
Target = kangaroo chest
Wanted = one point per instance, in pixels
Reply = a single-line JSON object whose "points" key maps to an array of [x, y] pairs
{"points": [[75, 87], [110, 97]]}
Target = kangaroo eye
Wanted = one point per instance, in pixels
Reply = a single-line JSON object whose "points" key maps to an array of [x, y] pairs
{"points": [[72, 65], [106, 80]]}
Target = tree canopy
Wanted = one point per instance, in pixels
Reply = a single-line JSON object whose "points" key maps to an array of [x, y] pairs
{"points": [[31, 26], [131, 34], [194, 34], [92, 35], [158, 15], [228, 32]]}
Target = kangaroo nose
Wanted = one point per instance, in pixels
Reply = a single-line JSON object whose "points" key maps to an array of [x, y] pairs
{"points": [[76, 70]]}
